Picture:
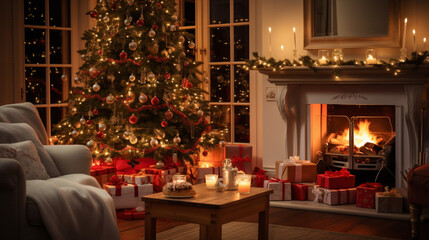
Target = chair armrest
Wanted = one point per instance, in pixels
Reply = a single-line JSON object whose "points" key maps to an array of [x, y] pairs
{"points": [[12, 198], [70, 158]]}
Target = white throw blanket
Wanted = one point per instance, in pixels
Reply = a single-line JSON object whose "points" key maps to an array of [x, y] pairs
{"points": [[74, 211]]}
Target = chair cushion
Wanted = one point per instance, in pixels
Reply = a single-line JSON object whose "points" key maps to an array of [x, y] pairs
{"points": [[18, 132], [24, 113], [26, 154], [418, 186]]}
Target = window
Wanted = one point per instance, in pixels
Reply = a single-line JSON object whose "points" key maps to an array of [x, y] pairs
{"points": [[48, 57]]}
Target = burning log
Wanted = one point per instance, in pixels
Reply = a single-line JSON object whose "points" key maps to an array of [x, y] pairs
{"points": [[374, 147]]}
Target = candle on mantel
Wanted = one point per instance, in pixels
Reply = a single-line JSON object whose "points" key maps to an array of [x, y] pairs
{"points": [[211, 180], [282, 55], [270, 50], [323, 60], [243, 181], [405, 30], [371, 60], [414, 40], [294, 38], [424, 44]]}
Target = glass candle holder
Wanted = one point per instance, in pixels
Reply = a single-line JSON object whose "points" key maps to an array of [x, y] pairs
{"points": [[243, 181], [178, 178], [205, 164], [211, 180], [370, 56], [323, 56], [337, 55]]}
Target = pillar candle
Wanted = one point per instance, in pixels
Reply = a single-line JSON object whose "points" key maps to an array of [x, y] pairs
{"points": [[405, 30]]}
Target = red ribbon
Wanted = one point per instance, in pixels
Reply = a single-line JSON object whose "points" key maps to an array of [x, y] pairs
{"points": [[238, 160], [170, 165], [283, 182], [157, 185], [258, 171], [343, 172], [118, 183], [371, 185]]}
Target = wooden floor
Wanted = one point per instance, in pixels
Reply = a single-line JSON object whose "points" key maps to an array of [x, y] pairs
{"points": [[131, 230]]}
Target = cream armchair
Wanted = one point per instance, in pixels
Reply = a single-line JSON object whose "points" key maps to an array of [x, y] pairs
{"points": [[20, 216]]}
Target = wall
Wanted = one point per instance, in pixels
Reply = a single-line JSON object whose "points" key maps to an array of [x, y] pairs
{"points": [[282, 16]]}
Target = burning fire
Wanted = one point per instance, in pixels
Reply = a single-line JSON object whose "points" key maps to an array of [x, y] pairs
{"points": [[362, 135]]}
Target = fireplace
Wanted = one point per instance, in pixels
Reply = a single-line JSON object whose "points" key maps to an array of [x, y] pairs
{"points": [[318, 108]]}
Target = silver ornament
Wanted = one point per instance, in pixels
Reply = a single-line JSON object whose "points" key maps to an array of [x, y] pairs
{"points": [[132, 77], [96, 87], [159, 133], [110, 99], [63, 77], [173, 27], [83, 56], [92, 71], [151, 77], [106, 19], [181, 39], [130, 96], [143, 98], [164, 53], [191, 44], [159, 165], [82, 120], [221, 143], [127, 22], [177, 139], [75, 133], [102, 126], [154, 142], [126, 135], [91, 144], [73, 110], [174, 18], [200, 113], [133, 139], [76, 80], [132, 45], [152, 33], [108, 160]]}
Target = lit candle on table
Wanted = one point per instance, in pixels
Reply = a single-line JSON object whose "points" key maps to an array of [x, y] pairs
{"points": [[414, 40], [211, 180], [270, 50], [243, 181], [281, 47], [405, 30], [294, 38]]}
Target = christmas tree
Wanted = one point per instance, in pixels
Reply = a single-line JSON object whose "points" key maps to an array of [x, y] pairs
{"points": [[139, 94]]}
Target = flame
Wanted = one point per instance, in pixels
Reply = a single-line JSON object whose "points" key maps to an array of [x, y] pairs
{"points": [[362, 135]]}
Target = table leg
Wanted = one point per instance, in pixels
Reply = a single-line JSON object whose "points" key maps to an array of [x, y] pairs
{"points": [[149, 224], [263, 222], [212, 231]]}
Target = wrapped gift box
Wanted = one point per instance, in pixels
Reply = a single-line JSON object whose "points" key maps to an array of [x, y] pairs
{"points": [[197, 174], [139, 179], [339, 196], [389, 201], [299, 171], [281, 189], [241, 157], [102, 173], [365, 194], [214, 157], [128, 195], [299, 191], [131, 214], [336, 180], [315, 193], [258, 177]]}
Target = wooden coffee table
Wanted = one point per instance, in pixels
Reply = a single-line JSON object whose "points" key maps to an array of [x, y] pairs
{"points": [[208, 208]]}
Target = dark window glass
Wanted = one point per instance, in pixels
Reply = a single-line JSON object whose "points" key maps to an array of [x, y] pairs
{"points": [[241, 10], [34, 12], [219, 11], [189, 13], [241, 84], [59, 13], [35, 41], [60, 81], [60, 47], [241, 43], [221, 120], [219, 44], [241, 124], [220, 90], [35, 85]]}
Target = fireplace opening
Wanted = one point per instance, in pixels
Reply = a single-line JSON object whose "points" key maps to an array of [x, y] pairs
{"points": [[360, 138]]}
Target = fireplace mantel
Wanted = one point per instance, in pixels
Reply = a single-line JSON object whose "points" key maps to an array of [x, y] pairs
{"points": [[348, 75]]}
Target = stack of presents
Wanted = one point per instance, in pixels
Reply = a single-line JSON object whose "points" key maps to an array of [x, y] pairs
{"points": [[128, 185], [298, 180]]}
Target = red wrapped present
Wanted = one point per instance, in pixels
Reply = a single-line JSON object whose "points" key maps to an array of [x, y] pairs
{"points": [[365, 194], [102, 173], [127, 195], [258, 177], [281, 189], [241, 157], [339, 196], [299, 191], [131, 214], [336, 180], [122, 166], [296, 170]]}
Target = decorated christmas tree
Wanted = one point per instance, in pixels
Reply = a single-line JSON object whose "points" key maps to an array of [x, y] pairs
{"points": [[138, 93]]}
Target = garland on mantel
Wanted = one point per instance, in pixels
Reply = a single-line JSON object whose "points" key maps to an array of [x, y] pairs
{"points": [[394, 65]]}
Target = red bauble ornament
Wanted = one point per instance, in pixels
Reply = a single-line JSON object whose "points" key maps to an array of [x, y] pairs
{"points": [[186, 64], [95, 111], [167, 76], [205, 153], [189, 85], [168, 115], [184, 82], [123, 55], [89, 122], [159, 5], [100, 52], [155, 101], [155, 27], [140, 22], [93, 14], [164, 123], [133, 119], [100, 135]]}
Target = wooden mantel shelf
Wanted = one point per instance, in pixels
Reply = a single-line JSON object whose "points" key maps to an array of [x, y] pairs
{"points": [[348, 75]]}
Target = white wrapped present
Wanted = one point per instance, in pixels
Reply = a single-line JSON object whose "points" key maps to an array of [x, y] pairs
{"points": [[281, 189], [128, 196], [139, 179]]}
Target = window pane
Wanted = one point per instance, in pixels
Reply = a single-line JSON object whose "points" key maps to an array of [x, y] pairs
{"points": [[241, 43], [221, 120], [34, 12], [60, 47], [219, 44], [190, 39], [241, 124], [59, 13], [219, 11], [57, 114], [220, 83], [35, 51], [241, 84], [42, 113], [241, 10], [189, 13], [35, 85], [60, 84]]}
